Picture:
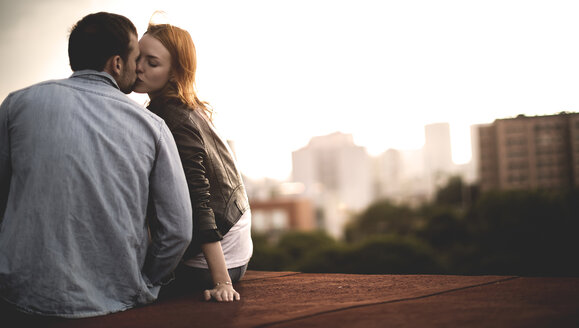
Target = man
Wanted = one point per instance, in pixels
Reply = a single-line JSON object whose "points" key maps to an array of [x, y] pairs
{"points": [[94, 207]]}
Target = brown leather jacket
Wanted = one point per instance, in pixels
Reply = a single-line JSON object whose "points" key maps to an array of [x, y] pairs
{"points": [[216, 188]]}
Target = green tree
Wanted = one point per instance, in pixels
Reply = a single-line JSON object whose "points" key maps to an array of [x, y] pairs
{"points": [[382, 217], [525, 233], [266, 256], [376, 255], [443, 228], [452, 193], [296, 245]]}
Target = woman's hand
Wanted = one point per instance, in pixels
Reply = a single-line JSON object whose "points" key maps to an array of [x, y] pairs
{"points": [[222, 292]]}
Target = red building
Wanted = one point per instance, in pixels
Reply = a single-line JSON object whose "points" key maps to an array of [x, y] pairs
{"points": [[282, 214]]}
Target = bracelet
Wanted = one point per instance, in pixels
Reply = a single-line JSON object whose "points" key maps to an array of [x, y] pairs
{"points": [[223, 283]]}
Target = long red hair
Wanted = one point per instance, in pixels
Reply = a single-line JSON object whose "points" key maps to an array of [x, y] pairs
{"points": [[183, 65]]}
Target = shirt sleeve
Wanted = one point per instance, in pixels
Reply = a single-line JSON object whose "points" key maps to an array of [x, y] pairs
{"points": [[171, 224], [5, 162]]}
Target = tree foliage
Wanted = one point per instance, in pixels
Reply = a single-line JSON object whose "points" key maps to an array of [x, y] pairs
{"points": [[526, 232], [452, 193], [297, 245], [376, 255], [509, 232], [380, 218]]}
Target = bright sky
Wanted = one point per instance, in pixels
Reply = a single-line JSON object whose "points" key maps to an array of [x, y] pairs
{"points": [[280, 72]]}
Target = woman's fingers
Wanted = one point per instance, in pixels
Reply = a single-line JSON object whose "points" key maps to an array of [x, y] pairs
{"points": [[221, 295]]}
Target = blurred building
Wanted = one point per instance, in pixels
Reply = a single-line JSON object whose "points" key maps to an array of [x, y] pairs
{"points": [[437, 153], [277, 215], [388, 171], [337, 177], [529, 152], [400, 177], [470, 170]]}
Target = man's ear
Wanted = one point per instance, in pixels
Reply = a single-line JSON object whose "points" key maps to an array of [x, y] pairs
{"points": [[114, 65]]}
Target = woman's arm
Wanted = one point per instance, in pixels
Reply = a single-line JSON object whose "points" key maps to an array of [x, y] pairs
{"points": [[193, 154], [223, 290]]}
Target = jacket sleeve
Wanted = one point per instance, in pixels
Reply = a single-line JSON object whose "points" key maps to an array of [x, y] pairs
{"points": [[171, 224], [194, 160], [5, 166]]}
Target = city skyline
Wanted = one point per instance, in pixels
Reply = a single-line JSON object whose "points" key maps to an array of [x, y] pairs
{"points": [[279, 73]]}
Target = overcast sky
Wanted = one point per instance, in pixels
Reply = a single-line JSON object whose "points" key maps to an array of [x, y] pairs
{"points": [[280, 72]]}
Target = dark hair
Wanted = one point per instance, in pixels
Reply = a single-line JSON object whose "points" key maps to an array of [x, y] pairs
{"points": [[96, 38]]}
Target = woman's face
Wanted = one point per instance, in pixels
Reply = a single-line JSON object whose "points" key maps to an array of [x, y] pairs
{"points": [[153, 66]]}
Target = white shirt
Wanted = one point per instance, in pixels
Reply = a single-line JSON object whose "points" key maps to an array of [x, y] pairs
{"points": [[236, 244]]}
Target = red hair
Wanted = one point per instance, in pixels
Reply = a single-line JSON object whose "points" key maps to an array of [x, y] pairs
{"points": [[180, 45]]}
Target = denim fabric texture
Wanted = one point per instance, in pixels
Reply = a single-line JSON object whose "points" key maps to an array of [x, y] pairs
{"points": [[94, 206]]}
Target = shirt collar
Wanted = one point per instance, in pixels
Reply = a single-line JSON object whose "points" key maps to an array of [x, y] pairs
{"points": [[97, 76]]}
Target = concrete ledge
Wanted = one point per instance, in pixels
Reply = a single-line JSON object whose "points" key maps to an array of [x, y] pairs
{"points": [[292, 299]]}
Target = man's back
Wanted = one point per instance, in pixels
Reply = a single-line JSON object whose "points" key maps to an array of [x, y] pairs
{"points": [[82, 160]]}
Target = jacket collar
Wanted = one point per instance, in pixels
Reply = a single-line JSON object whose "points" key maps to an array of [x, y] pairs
{"points": [[96, 76]]}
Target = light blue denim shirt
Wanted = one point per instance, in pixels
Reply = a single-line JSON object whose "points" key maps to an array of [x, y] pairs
{"points": [[84, 173]]}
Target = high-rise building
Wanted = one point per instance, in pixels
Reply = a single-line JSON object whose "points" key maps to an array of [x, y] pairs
{"points": [[399, 176], [437, 153], [470, 170], [337, 177], [388, 169], [530, 152], [437, 150]]}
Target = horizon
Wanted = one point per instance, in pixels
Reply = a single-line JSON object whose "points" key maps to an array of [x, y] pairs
{"points": [[280, 73]]}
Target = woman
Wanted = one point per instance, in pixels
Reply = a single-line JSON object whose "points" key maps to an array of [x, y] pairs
{"points": [[221, 246]]}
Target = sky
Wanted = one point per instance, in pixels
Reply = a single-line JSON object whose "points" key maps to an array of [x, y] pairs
{"points": [[278, 73]]}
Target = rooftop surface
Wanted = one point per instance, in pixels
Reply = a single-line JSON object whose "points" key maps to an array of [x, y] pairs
{"points": [[293, 299]]}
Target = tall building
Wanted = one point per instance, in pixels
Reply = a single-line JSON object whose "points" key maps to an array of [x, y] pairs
{"points": [[529, 152], [400, 177], [337, 177], [388, 169], [437, 154], [472, 167]]}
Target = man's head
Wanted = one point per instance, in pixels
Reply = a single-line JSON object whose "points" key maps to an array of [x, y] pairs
{"points": [[105, 42]]}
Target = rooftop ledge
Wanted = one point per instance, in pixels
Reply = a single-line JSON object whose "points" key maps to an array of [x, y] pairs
{"points": [[293, 299]]}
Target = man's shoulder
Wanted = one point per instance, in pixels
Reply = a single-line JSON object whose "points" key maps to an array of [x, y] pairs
{"points": [[38, 89], [31, 91], [70, 83], [34, 86], [66, 87]]}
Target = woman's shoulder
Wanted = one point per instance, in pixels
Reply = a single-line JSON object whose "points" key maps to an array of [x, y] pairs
{"points": [[174, 113]]}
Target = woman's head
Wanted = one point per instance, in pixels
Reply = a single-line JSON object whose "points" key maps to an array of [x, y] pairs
{"points": [[154, 68], [167, 65]]}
